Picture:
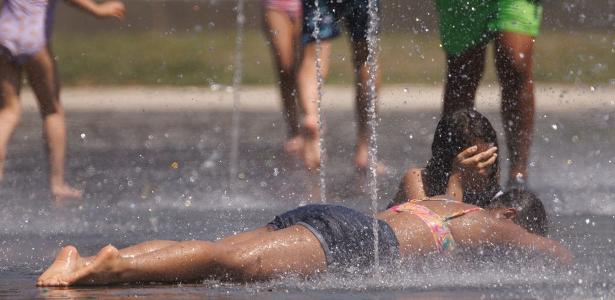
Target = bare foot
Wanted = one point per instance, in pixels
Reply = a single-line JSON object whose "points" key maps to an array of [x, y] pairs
{"points": [[101, 270], [294, 145], [64, 266], [361, 159], [311, 148], [65, 192]]}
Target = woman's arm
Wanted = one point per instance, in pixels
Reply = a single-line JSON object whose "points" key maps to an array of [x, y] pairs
{"points": [[514, 235], [110, 9], [410, 187]]}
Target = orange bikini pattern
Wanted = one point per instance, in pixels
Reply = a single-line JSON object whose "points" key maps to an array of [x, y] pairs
{"points": [[445, 243]]}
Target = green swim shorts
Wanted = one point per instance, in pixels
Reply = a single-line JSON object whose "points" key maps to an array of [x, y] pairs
{"points": [[468, 23]]}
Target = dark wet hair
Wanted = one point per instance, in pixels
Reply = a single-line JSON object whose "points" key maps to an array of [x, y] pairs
{"points": [[531, 214], [455, 133]]}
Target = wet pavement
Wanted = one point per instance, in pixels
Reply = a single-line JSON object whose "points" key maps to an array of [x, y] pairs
{"points": [[164, 175]]}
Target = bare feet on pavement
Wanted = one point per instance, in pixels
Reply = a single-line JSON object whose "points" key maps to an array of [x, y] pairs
{"points": [[361, 159], [294, 145], [311, 148], [63, 191], [71, 269]]}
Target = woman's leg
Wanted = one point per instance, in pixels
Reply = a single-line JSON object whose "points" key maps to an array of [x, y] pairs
{"points": [[260, 256], [43, 77], [10, 111], [283, 31], [513, 59], [307, 86], [464, 73]]}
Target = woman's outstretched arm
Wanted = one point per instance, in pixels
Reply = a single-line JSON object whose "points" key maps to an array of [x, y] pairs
{"points": [[514, 235]]}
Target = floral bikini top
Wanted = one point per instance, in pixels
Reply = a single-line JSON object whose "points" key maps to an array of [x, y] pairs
{"points": [[442, 234]]}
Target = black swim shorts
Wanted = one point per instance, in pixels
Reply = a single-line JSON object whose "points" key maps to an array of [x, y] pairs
{"points": [[346, 235]]}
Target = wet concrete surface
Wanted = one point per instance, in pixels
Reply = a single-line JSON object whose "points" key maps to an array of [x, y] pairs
{"points": [[160, 175]]}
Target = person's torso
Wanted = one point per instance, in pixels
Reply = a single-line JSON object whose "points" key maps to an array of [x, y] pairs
{"points": [[415, 237]]}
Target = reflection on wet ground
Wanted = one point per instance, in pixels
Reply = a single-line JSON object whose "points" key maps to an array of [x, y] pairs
{"points": [[164, 176]]}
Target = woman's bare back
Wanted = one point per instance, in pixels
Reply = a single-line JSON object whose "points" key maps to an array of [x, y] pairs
{"points": [[416, 238]]}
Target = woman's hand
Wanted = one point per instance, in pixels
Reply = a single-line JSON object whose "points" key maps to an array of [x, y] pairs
{"points": [[111, 9], [469, 162]]}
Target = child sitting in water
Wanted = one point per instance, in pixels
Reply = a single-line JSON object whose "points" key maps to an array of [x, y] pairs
{"points": [[25, 30]]}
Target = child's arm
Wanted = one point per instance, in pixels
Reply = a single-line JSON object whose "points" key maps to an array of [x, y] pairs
{"points": [[515, 235], [109, 9]]}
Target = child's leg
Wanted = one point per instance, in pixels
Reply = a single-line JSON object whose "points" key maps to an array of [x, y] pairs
{"points": [[361, 69], [42, 74], [464, 73], [10, 111], [145, 247], [283, 32], [291, 250], [307, 86], [514, 69]]}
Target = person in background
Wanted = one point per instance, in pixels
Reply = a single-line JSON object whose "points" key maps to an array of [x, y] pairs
{"points": [[282, 26], [354, 14], [25, 31], [466, 27]]}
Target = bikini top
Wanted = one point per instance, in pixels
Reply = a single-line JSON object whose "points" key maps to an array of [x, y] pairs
{"points": [[445, 243]]}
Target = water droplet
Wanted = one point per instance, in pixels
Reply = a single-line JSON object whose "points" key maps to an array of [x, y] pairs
{"points": [[554, 126], [83, 135]]}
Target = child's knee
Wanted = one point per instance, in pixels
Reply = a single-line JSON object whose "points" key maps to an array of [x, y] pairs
{"points": [[11, 108]]}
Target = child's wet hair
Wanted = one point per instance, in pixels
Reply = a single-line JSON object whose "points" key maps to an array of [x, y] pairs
{"points": [[456, 132], [531, 213]]}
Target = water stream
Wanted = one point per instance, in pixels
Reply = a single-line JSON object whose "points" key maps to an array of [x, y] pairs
{"points": [[372, 62], [237, 75], [319, 81]]}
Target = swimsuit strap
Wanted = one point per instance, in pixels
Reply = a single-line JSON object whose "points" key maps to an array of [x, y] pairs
{"points": [[461, 213], [430, 199]]}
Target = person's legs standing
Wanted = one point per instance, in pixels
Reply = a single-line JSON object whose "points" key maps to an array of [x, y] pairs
{"points": [[307, 81], [358, 24], [42, 75], [10, 110], [307, 87], [514, 69], [463, 75], [283, 30], [517, 24]]}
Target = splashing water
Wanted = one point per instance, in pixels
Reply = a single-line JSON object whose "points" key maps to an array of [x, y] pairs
{"points": [[372, 62], [319, 82], [236, 98]]}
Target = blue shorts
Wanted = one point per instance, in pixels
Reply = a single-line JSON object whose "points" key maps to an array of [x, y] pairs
{"points": [[354, 13], [346, 235]]}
